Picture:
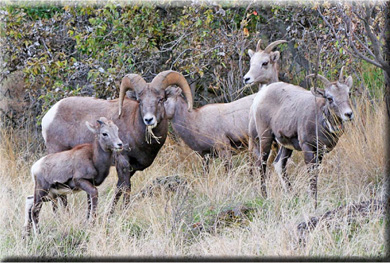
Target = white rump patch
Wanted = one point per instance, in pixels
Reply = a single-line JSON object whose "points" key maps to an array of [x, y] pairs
{"points": [[48, 119]]}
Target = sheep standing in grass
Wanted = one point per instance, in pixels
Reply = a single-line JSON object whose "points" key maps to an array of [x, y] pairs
{"points": [[63, 125], [81, 168], [221, 127], [302, 120]]}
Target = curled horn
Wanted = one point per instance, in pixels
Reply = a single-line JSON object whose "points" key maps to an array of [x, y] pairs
{"points": [[269, 48], [323, 79], [258, 48], [170, 77], [341, 78], [130, 81]]}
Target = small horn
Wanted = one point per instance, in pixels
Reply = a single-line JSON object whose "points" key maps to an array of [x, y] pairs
{"points": [[341, 78], [130, 81], [323, 79], [269, 48], [258, 48], [171, 77]]}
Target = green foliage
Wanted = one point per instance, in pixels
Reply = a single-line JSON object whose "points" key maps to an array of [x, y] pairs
{"points": [[85, 50]]}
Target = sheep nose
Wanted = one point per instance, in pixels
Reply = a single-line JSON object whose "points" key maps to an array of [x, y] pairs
{"points": [[149, 121], [246, 80], [349, 115]]}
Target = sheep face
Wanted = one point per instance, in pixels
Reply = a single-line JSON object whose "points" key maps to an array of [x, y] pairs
{"points": [[107, 134], [151, 105], [151, 96], [263, 67], [170, 104], [337, 99]]}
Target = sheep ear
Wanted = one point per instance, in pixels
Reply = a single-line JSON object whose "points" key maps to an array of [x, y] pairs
{"points": [[91, 127], [275, 56], [318, 92], [251, 52], [131, 94], [349, 81], [172, 91]]}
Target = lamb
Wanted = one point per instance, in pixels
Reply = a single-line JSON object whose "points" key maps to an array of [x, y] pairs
{"points": [[62, 126], [299, 120], [81, 168]]}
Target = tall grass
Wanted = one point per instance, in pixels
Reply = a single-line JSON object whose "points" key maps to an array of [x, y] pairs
{"points": [[165, 224]]}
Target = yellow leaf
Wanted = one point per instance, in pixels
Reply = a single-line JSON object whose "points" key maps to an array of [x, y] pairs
{"points": [[246, 32]]}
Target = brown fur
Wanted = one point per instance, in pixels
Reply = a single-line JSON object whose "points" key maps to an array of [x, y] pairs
{"points": [[219, 127], [82, 168], [66, 131], [293, 117]]}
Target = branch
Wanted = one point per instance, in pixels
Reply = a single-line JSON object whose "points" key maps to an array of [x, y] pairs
{"points": [[376, 45], [349, 34]]}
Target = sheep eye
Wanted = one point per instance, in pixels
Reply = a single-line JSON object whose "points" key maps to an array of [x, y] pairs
{"points": [[265, 64], [330, 99], [104, 134]]}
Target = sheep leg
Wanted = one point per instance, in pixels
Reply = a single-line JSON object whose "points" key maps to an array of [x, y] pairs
{"points": [[311, 162], [123, 186], [64, 201], [28, 220], [206, 163], [265, 148], [253, 146], [274, 152], [92, 193], [126, 188], [124, 172], [57, 200], [89, 203], [255, 150], [280, 167], [39, 195], [226, 156], [54, 204]]}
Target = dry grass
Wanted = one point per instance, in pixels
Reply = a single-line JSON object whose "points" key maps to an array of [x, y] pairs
{"points": [[163, 225]]}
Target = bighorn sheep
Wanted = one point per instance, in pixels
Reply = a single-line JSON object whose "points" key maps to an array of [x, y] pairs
{"points": [[62, 130], [214, 127], [297, 120], [222, 126], [264, 69], [81, 168]]}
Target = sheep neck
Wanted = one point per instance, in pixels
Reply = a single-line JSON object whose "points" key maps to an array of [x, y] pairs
{"points": [[101, 160], [182, 120]]}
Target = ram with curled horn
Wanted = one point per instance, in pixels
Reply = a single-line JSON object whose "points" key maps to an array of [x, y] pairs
{"points": [[302, 120], [61, 128]]}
